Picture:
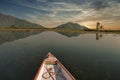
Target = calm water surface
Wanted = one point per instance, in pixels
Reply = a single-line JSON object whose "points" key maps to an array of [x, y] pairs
{"points": [[90, 56]]}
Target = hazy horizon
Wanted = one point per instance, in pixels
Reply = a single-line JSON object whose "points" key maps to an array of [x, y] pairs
{"points": [[51, 13]]}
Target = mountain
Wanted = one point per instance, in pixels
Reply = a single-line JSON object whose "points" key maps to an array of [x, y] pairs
{"points": [[7, 21], [72, 26]]}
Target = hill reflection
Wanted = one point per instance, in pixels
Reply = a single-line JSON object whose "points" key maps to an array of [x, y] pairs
{"points": [[7, 36], [70, 34]]}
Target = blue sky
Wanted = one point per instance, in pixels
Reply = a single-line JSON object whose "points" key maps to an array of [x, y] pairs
{"points": [[51, 13]]}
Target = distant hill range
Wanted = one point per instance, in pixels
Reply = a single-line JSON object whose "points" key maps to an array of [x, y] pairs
{"points": [[7, 21], [72, 26]]}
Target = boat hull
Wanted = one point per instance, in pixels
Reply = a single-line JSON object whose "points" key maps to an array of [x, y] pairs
{"points": [[52, 69]]}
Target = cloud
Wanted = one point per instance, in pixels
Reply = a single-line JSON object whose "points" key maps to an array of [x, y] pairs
{"points": [[41, 0], [118, 1], [99, 4], [47, 12], [60, 11], [59, 3]]}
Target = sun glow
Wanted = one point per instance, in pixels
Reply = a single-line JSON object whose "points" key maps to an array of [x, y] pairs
{"points": [[89, 24]]}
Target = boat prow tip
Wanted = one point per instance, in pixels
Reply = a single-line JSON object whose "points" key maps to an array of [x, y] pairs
{"points": [[49, 54]]}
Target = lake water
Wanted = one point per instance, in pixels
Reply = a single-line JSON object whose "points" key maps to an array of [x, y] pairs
{"points": [[88, 56]]}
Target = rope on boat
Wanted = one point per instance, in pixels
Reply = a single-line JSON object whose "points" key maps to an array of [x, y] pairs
{"points": [[51, 74]]}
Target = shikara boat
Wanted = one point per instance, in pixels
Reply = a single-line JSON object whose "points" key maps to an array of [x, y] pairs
{"points": [[52, 69]]}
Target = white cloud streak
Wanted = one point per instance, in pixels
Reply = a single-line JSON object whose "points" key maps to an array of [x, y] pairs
{"points": [[61, 12]]}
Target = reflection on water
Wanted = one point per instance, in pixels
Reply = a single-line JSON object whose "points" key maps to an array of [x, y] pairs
{"points": [[70, 34], [84, 56], [6, 36], [99, 35]]}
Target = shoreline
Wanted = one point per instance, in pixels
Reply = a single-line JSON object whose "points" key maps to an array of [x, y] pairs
{"points": [[61, 30]]}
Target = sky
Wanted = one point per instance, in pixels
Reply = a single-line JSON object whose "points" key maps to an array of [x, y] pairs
{"points": [[51, 13]]}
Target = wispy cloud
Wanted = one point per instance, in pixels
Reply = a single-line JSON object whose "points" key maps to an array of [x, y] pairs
{"points": [[47, 12], [99, 4], [41, 0]]}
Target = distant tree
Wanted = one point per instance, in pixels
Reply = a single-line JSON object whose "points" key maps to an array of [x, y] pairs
{"points": [[101, 27], [97, 25]]}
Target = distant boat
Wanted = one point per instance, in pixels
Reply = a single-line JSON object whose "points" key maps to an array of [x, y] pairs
{"points": [[52, 69]]}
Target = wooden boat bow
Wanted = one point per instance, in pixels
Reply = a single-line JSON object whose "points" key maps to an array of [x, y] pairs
{"points": [[52, 69]]}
